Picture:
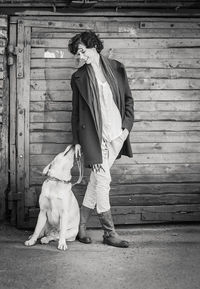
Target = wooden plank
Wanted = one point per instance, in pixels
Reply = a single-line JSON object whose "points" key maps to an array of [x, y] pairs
{"points": [[171, 217], [61, 73], [138, 95], [4, 157], [126, 179], [138, 73], [166, 126], [146, 189], [163, 73], [135, 43], [126, 51], [134, 84], [53, 126], [165, 63], [139, 106], [59, 116], [152, 200], [50, 106], [50, 116], [53, 95], [150, 148], [167, 106], [156, 54], [149, 190], [168, 24], [69, 25], [26, 96], [138, 169], [126, 33], [13, 116], [178, 158], [166, 158], [138, 126], [136, 137], [169, 115], [128, 62], [166, 95], [40, 137], [138, 148], [20, 139], [115, 18], [50, 85], [165, 84]]}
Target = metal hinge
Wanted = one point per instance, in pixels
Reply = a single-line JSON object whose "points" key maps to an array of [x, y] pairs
{"points": [[13, 51]]}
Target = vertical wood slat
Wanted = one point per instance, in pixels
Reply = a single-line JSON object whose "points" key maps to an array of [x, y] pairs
{"points": [[27, 55], [23, 87], [13, 92], [4, 114]]}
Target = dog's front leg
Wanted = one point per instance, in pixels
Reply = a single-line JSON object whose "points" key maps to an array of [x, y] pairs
{"points": [[62, 245], [42, 218]]}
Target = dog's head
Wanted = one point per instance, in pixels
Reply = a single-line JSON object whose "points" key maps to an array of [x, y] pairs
{"points": [[61, 165]]}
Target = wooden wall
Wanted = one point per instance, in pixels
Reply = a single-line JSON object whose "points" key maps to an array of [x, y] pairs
{"points": [[4, 100], [108, 3], [162, 180]]}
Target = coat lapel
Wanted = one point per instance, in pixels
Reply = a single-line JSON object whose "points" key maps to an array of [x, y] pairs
{"points": [[82, 81]]}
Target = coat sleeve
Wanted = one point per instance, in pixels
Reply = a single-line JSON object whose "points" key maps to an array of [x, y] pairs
{"points": [[129, 103], [75, 112]]}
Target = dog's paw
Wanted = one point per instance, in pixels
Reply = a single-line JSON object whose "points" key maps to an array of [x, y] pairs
{"points": [[62, 245], [30, 242], [44, 240]]}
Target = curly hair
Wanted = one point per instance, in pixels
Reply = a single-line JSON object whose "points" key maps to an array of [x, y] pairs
{"points": [[88, 38]]}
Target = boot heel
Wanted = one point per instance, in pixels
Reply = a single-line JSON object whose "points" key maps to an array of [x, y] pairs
{"points": [[85, 240]]}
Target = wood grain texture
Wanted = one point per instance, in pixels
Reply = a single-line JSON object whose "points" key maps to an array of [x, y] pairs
{"points": [[4, 117], [161, 56]]}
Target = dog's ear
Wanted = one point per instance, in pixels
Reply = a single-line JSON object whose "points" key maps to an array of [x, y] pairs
{"points": [[68, 148], [46, 169]]}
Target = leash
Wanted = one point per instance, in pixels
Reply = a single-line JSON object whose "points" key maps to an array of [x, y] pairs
{"points": [[80, 170]]}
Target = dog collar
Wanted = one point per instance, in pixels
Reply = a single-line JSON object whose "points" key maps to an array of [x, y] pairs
{"points": [[58, 180]]}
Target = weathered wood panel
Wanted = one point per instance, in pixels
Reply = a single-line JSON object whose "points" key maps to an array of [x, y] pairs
{"points": [[162, 61], [4, 112]]}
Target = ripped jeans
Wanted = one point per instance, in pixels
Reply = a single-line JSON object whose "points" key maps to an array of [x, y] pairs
{"points": [[98, 188]]}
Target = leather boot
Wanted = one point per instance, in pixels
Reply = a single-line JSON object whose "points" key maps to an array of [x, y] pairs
{"points": [[110, 237], [85, 213]]}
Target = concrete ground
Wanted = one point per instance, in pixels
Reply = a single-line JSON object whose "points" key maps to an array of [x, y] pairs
{"points": [[160, 257]]}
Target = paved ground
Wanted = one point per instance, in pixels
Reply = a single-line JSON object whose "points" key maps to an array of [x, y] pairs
{"points": [[160, 257]]}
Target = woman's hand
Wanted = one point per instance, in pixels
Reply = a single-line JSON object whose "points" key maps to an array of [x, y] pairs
{"points": [[77, 151], [97, 167], [125, 132]]}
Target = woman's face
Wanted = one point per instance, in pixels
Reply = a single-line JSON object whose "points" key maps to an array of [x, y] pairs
{"points": [[87, 55]]}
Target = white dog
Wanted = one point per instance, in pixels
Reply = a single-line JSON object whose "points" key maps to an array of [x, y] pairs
{"points": [[59, 214]]}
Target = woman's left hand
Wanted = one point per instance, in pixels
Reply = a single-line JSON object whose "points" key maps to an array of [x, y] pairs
{"points": [[125, 132], [97, 167]]}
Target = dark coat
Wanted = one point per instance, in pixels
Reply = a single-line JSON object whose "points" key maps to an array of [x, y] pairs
{"points": [[83, 127]]}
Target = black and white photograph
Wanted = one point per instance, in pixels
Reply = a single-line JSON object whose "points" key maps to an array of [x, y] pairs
{"points": [[99, 144]]}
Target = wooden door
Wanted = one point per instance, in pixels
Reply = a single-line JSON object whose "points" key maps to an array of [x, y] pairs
{"points": [[161, 182]]}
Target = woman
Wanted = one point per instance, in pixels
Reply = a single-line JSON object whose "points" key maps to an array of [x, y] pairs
{"points": [[102, 117]]}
